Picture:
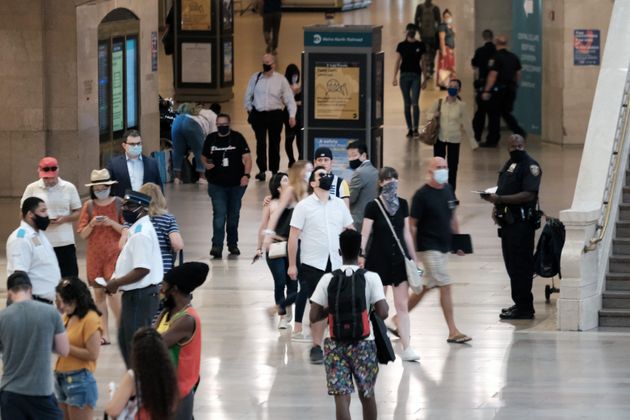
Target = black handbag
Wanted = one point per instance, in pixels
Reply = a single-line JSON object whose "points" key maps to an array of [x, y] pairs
{"points": [[384, 349]]}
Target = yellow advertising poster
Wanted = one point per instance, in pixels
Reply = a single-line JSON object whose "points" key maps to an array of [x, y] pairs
{"points": [[196, 15], [337, 91]]}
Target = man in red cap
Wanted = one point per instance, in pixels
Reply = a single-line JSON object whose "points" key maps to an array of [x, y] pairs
{"points": [[64, 206]]}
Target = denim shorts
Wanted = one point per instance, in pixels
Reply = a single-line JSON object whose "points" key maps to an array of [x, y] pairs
{"points": [[76, 388]]}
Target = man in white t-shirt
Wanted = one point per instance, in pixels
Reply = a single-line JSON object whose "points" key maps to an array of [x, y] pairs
{"points": [[347, 359], [317, 221], [139, 271], [64, 206]]}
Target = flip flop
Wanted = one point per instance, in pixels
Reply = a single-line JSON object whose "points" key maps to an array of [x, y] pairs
{"points": [[459, 339], [105, 342]]}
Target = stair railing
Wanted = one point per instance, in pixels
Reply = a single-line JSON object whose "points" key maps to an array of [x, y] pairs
{"points": [[616, 159]]}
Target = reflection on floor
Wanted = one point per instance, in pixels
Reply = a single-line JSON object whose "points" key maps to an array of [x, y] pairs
{"points": [[511, 370]]}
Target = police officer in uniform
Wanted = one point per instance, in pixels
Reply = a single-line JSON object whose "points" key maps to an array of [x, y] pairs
{"points": [[480, 63], [500, 92], [515, 213]]}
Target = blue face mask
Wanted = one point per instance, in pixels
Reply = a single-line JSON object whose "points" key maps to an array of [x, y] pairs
{"points": [[440, 176], [134, 151], [452, 91]]}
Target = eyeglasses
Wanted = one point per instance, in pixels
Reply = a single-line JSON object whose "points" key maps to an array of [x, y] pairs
{"points": [[49, 169]]}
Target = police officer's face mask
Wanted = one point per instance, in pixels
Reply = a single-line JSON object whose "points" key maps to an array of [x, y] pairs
{"points": [[517, 155]]}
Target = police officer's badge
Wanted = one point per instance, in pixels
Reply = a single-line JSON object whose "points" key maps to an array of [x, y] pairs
{"points": [[534, 169], [491, 62]]}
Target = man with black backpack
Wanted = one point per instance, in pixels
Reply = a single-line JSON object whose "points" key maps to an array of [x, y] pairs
{"points": [[345, 297]]}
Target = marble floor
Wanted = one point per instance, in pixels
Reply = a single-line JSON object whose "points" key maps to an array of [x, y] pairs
{"points": [[511, 370]]}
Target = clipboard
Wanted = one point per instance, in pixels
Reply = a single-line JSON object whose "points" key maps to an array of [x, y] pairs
{"points": [[463, 242]]}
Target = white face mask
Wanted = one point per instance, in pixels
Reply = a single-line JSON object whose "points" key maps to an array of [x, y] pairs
{"points": [[440, 176], [448, 21], [101, 195], [307, 176]]}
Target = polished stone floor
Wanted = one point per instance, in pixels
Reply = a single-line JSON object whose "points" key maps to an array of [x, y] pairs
{"points": [[511, 370]]}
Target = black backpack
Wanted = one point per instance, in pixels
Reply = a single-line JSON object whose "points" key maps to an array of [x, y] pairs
{"points": [[549, 249], [348, 316]]}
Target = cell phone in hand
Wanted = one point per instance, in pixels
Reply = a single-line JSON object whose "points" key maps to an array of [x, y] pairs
{"points": [[100, 281], [100, 218]]}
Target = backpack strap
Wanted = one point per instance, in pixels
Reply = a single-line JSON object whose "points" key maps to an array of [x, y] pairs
{"points": [[254, 88], [90, 208]]}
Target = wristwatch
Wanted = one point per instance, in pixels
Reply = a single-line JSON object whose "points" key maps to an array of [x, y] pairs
{"points": [[247, 175]]}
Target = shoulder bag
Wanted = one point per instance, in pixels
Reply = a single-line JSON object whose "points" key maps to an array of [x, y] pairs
{"points": [[413, 274], [384, 349], [429, 131], [252, 113]]}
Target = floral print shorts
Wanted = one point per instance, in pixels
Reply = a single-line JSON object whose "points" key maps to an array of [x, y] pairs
{"points": [[343, 361]]}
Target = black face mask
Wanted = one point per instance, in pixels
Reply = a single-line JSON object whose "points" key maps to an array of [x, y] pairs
{"points": [[41, 222], [223, 130], [411, 34], [517, 155], [266, 67], [354, 164], [130, 216], [325, 182]]}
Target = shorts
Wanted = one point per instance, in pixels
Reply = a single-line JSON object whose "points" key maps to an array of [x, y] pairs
{"points": [[435, 274], [343, 361], [76, 388]]}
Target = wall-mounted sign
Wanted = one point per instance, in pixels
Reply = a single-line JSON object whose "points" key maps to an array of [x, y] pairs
{"points": [[118, 117], [154, 51], [228, 61], [586, 47], [338, 147], [338, 39], [131, 85], [227, 15], [196, 15], [337, 91], [196, 62]]}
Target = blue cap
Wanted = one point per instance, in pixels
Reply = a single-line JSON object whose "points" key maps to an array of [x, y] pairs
{"points": [[137, 197]]}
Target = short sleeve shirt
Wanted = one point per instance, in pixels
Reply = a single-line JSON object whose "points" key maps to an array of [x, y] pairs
{"points": [[226, 153], [27, 333], [339, 188], [61, 200], [320, 224], [506, 64], [373, 290], [516, 177], [433, 210], [411, 54], [142, 250], [79, 332], [164, 225], [482, 58]]}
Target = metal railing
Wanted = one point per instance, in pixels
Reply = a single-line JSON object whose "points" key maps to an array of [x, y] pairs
{"points": [[613, 171]]}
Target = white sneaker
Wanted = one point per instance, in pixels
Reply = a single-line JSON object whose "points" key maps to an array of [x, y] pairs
{"points": [[202, 181], [177, 181], [289, 314], [409, 355], [283, 324], [300, 337]]}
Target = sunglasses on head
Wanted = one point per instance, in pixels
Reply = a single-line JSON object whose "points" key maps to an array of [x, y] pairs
{"points": [[50, 169]]}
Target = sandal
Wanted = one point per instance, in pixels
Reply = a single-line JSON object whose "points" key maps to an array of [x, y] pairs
{"points": [[105, 342], [459, 339]]}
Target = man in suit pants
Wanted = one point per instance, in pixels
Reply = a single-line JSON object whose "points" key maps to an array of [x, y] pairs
{"points": [[133, 169], [364, 182]]}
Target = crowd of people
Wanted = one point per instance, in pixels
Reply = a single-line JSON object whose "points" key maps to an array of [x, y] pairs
{"points": [[317, 230]]}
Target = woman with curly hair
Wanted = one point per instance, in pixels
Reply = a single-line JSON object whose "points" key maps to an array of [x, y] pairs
{"points": [[75, 386], [148, 391]]}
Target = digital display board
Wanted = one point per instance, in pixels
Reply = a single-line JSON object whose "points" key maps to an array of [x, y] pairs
{"points": [[118, 117], [103, 88], [131, 71]]}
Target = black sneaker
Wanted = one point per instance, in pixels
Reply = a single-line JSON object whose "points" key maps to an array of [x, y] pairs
{"points": [[317, 355], [234, 250], [516, 314], [410, 134], [216, 252], [416, 133], [261, 176]]}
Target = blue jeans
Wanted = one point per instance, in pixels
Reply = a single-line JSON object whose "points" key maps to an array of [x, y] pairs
{"points": [[186, 133], [278, 268], [226, 209], [410, 87], [77, 388]]}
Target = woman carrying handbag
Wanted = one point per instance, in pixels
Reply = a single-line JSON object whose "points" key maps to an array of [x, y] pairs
{"points": [[386, 228]]}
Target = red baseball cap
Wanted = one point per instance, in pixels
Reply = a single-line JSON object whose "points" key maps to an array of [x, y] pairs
{"points": [[48, 167]]}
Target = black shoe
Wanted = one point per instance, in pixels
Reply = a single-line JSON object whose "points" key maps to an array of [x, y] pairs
{"points": [[216, 252], [511, 308], [317, 355], [416, 133], [261, 176], [516, 314], [234, 250], [410, 134], [487, 145]]}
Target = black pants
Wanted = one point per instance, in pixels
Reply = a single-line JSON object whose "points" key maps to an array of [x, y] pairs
{"points": [[271, 29], [429, 55], [264, 122], [501, 105], [449, 151], [138, 308], [517, 244], [479, 120], [28, 407], [67, 259], [291, 134]]}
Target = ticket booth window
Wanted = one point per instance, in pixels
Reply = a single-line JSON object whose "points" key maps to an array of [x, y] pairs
{"points": [[118, 84]]}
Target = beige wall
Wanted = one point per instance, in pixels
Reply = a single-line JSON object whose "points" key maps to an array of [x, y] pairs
{"points": [[48, 86]]}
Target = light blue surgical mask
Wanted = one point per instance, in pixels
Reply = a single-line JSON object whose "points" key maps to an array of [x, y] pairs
{"points": [[440, 176], [134, 151], [102, 195]]}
